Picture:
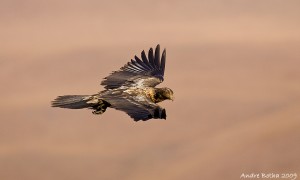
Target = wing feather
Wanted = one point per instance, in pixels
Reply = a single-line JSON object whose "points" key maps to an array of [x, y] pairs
{"points": [[145, 60], [163, 61], [137, 66], [147, 72], [151, 57], [141, 63], [137, 108], [157, 57]]}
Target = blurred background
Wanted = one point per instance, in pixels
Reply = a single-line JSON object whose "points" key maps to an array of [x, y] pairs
{"points": [[233, 65]]}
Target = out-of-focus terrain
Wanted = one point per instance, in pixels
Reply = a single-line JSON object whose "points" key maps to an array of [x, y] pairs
{"points": [[233, 65]]}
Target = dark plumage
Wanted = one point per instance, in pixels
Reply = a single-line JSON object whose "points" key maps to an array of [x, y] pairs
{"points": [[130, 89]]}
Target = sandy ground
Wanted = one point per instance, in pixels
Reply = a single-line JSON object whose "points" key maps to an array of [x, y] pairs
{"points": [[233, 65]]}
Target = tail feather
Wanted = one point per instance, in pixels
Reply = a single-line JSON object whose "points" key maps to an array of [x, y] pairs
{"points": [[72, 101], [81, 101]]}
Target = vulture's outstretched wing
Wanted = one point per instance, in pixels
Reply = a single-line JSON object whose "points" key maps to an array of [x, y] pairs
{"points": [[137, 107], [145, 72]]}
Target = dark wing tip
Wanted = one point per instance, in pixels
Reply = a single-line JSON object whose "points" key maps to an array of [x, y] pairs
{"points": [[163, 114], [151, 57], [164, 52], [163, 61], [158, 46], [157, 56]]}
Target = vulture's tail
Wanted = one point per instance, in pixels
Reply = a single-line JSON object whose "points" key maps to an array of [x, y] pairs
{"points": [[80, 102]]}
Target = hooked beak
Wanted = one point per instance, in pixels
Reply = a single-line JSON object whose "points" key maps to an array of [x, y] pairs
{"points": [[172, 98]]}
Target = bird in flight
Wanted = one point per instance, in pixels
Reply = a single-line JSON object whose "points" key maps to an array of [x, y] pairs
{"points": [[130, 89]]}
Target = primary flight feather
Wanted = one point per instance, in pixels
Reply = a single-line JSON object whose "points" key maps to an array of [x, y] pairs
{"points": [[130, 89]]}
